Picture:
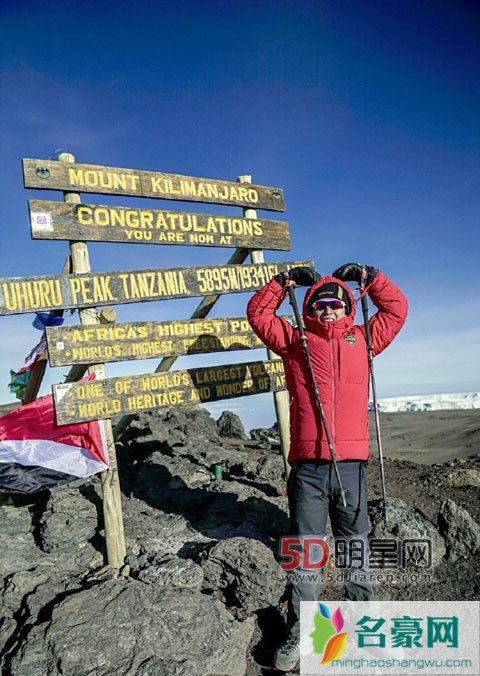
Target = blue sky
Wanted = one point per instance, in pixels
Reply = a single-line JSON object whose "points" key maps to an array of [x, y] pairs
{"points": [[366, 113]]}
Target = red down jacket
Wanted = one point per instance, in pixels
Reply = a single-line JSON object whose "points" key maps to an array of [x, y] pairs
{"points": [[338, 352]]}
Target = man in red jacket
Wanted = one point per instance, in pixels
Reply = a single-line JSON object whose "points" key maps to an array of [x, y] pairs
{"points": [[338, 353]]}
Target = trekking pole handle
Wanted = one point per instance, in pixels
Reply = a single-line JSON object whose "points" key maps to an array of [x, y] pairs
{"points": [[368, 335], [367, 323], [293, 302]]}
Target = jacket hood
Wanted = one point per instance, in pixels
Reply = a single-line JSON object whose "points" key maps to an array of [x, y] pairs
{"points": [[314, 324]]}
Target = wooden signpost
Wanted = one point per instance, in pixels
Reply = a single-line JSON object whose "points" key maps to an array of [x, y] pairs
{"points": [[31, 294], [93, 178], [146, 340], [77, 402], [280, 400], [92, 343], [91, 222]]}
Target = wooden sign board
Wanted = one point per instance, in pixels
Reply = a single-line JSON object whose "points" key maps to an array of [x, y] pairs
{"points": [[96, 223], [92, 400], [147, 340], [31, 294], [94, 178]]}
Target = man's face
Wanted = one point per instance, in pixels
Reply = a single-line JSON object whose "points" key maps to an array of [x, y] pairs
{"points": [[329, 310]]}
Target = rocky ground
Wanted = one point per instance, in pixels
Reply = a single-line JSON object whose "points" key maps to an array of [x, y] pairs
{"points": [[200, 591]]}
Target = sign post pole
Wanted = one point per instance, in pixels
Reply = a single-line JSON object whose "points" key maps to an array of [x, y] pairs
{"points": [[112, 504], [39, 368], [280, 399]]}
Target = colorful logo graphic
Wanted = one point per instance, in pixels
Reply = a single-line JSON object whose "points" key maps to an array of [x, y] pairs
{"points": [[327, 637]]}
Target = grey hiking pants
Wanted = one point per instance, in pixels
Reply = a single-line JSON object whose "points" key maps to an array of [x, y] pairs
{"points": [[313, 495]]}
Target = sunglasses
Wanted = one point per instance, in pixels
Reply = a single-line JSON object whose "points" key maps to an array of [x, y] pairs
{"points": [[333, 304]]}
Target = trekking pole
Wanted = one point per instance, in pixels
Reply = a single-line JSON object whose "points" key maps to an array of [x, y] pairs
{"points": [[303, 340], [374, 389]]}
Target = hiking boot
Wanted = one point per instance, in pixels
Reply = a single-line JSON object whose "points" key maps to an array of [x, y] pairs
{"points": [[287, 656]]}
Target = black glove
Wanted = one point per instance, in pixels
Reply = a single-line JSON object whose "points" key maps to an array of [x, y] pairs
{"points": [[355, 272], [301, 276]]}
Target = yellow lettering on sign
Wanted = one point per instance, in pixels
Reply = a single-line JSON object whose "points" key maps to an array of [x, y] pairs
{"points": [[213, 375], [146, 219], [106, 333], [80, 289], [151, 348], [170, 237], [32, 294], [140, 219], [224, 390], [198, 189], [95, 353], [234, 278], [157, 184], [96, 178], [196, 238], [101, 289], [84, 215], [154, 284], [138, 235], [141, 402], [89, 390], [188, 188], [99, 409]]}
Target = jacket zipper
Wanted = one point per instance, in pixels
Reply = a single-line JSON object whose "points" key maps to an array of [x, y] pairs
{"points": [[332, 368]]}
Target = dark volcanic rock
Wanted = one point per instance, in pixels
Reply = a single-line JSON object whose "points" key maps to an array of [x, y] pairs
{"points": [[460, 530], [266, 436], [130, 628], [462, 477], [69, 520], [70, 525], [155, 531], [18, 540], [246, 571], [171, 426], [173, 572], [405, 523], [230, 426], [196, 544], [264, 470]]}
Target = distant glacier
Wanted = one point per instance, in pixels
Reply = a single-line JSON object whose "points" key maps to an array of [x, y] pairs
{"points": [[429, 402]]}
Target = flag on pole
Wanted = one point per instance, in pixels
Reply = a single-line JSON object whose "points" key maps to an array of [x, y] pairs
{"points": [[36, 453], [44, 319], [19, 379]]}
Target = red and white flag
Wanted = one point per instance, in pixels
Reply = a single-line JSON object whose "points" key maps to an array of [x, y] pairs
{"points": [[36, 453]]}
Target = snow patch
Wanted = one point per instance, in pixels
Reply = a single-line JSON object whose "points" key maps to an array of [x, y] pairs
{"points": [[429, 402]]}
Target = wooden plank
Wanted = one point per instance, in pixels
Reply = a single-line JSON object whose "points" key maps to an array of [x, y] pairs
{"points": [[36, 376], [99, 223], [31, 294], [148, 340], [8, 408], [94, 178], [77, 402]]}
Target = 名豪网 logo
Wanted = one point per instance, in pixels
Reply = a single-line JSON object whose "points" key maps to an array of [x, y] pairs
{"points": [[328, 639]]}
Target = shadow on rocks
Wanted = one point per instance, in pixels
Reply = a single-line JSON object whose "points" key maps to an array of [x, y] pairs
{"points": [[215, 510]]}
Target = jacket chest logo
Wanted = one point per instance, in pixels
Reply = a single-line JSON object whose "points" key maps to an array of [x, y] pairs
{"points": [[351, 340]]}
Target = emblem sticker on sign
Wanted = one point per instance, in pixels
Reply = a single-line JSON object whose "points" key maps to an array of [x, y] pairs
{"points": [[41, 221]]}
